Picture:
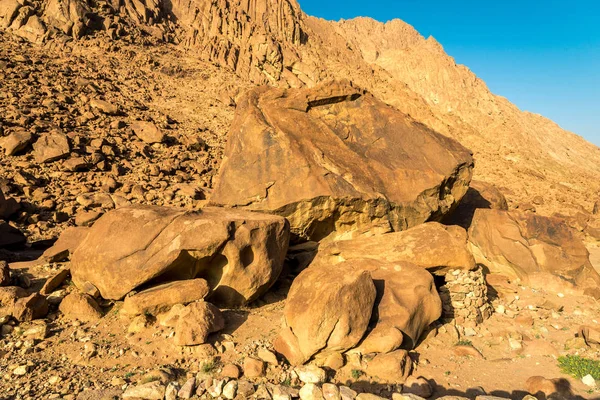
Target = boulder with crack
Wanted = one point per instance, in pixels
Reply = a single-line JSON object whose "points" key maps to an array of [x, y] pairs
{"points": [[531, 248], [337, 162], [239, 253]]}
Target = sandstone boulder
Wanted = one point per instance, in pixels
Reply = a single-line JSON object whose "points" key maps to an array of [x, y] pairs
{"points": [[80, 306], [407, 303], [160, 298], [239, 253], [335, 162], [8, 11], [10, 236], [8, 297], [392, 367], [526, 246], [433, 246], [31, 307], [327, 310], [196, 322]]}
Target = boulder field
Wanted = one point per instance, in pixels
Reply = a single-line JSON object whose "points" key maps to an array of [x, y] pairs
{"points": [[379, 209]]}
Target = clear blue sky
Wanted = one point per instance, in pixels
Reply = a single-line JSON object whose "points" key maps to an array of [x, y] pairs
{"points": [[544, 56]]}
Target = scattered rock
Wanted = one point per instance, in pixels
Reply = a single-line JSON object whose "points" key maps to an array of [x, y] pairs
{"points": [[196, 321], [80, 306], [51, 147], [29, 308], [148, 132]]}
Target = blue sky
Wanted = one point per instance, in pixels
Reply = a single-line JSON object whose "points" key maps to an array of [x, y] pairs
{"points": [[544, 56]]}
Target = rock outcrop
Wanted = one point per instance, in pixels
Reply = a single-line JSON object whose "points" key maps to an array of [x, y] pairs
{"points": [[337, 162], [239, 253], [522, 245]]}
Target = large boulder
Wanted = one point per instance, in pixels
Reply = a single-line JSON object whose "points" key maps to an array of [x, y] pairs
{"points": [[327, 310], [433, 246], [407, 303], [526, 245], [327, 306], [337, 162], [239, 253]]}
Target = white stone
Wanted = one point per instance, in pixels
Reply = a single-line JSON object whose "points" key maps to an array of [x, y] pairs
{"points": [[589, 380], [310, 391], [311, 374], [230, 390]]}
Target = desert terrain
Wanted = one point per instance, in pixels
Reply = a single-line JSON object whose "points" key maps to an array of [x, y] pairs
{"points": [[235, 200]]}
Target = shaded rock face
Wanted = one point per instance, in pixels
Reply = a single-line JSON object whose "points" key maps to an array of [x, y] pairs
{"points": [[328, 304], [523, 245], [480, 195], [240, 254], [327, 310], [335, 162], [433, 246]]}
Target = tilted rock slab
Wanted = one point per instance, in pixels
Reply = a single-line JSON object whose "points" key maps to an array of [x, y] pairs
{"points": [[433, 246], [239, 253], [525, 245], [327, 307], [335, 161]]}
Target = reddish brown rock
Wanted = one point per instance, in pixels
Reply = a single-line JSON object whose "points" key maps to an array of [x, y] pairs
{"points": [[432, 246], [29, 308], [80, 306], [335, 161], [327, 310], [239, 253], [196, 321], [527, 246], [161, 298]]}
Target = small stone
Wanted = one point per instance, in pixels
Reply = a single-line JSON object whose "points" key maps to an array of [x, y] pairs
{"points": [[80, 306], [138, 324], [230, 390], [104, 106], [148, 132], [230, 371], [410, 396], [21, 370], [310, 391], [311, 374], [16, 142], [147, 391], [51, 147], [331, 392], [253, 368], [347, 394], [418, 386], [267, 356], [171, 391], [589, 380], [368, 396], [187, 390], [30, 308], [216, 389], [87, 218]]}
